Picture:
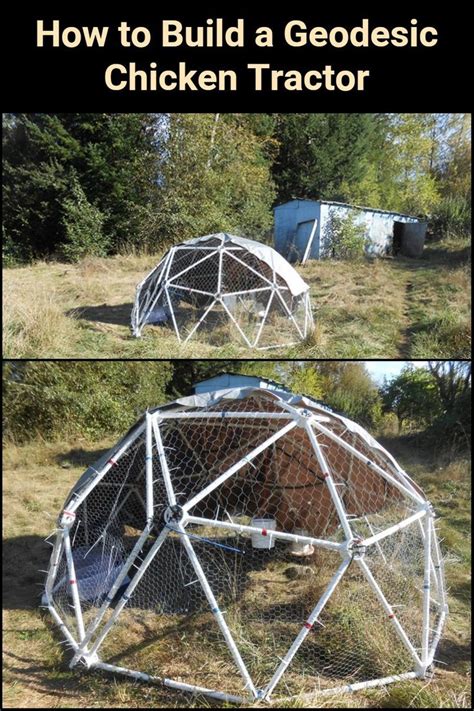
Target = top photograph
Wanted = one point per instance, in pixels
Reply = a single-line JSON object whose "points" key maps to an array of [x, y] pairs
{"points": [[246, 235]]}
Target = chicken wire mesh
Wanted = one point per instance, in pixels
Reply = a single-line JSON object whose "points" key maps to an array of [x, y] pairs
{"points": [[223, 287], [248, 546]]}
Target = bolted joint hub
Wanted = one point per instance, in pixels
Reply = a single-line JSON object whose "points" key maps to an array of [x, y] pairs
{"points": [[356, 548], [67, 518], [85, 658], [173, 514], [303, 417]]}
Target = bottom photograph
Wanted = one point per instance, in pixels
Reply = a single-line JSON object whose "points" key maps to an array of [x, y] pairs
{"points": [[291, 532]]}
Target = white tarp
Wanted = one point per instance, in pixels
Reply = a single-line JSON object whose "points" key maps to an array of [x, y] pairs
{"points": [[263, 252], [208, 399]]}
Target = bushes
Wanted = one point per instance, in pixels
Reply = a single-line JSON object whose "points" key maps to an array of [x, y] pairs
{"points": [[89, 399], [453, 217], [83, 225], [344, 238]]}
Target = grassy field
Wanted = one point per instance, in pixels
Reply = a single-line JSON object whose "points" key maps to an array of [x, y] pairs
{"points": [[390, 308], [36, 480]]}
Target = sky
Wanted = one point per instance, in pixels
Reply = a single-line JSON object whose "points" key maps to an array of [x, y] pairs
{"points": [[379, 369]]}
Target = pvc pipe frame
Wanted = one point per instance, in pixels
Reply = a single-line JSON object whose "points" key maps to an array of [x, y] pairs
{"points": [[137, 323], [152, 432]]}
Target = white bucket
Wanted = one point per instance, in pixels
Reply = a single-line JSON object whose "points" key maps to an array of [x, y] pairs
{"points": [[262, 539], [301, 548]]}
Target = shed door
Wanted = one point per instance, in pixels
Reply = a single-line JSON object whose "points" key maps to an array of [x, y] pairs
{"points": [[303, 233]]}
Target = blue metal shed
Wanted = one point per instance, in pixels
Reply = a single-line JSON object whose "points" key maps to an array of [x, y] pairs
{"points": [[295, 220], [235, 380]]}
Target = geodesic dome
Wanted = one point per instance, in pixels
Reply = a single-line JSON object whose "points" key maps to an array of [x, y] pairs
{"points": [[246, 543], [223, 287]]}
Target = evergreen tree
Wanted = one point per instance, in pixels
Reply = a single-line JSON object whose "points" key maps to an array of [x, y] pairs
{"points": [[321, 156]]}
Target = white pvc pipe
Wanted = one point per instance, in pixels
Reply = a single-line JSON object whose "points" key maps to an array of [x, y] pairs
{"points": [[219, 273], [113, 590], [238, 465], [164, 464], [235, 323], [438, 564], [247, 266], [306, 627], [330, 545], [330, 483], [221, 415], [196, 325], [150, 303], [180, 287], [73, 585], [183, 271], [54, 563], [260, 328], [250, 291], [75, 503], [310, 242], [289, 314], [173, 318], [62, 626], [388, 609], [426, 591], [131, 587], [393, 529], [217, 612], [356, 686], [369, 462], [377, 544], [178, 685], [149, 467], [436, 637]]}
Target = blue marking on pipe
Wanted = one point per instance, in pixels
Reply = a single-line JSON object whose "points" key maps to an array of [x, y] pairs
{"points": [[215, 610], [207, 540]]}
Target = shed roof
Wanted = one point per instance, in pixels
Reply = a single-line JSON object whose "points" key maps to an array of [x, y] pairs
{"points": [[354, 207]]}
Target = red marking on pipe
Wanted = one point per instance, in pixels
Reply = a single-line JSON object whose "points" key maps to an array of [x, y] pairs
{"points": [[264, 531], [325, 476], [72, 582], [390, 617], [112, 462], [69, 513], [308, 625]]}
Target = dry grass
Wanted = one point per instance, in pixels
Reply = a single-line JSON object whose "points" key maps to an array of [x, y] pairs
{"points": [[36, 480], [386, 307]]}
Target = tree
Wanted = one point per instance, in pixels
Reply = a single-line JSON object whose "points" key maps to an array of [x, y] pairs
{"points": [[213, 176], [83, 224], [452, 379], [321, 156], [349, 389], [412, 396], [304, 378], [113, 159], [90, 399]]}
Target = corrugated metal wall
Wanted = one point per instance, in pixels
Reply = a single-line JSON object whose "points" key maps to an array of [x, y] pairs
{"points": [[294, 221]]}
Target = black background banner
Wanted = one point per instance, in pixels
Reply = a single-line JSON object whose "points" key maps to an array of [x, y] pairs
{"points": [[72, 79]]}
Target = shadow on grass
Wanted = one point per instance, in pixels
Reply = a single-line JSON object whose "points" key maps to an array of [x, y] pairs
{"points": [[63, 687], [437, 258], [118, 315], [453, 653], [79, 457], [23, 559]]}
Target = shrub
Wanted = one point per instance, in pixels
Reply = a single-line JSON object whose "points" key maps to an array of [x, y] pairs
{"points": [[83, 224], [344, 238], [453, 217]]}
